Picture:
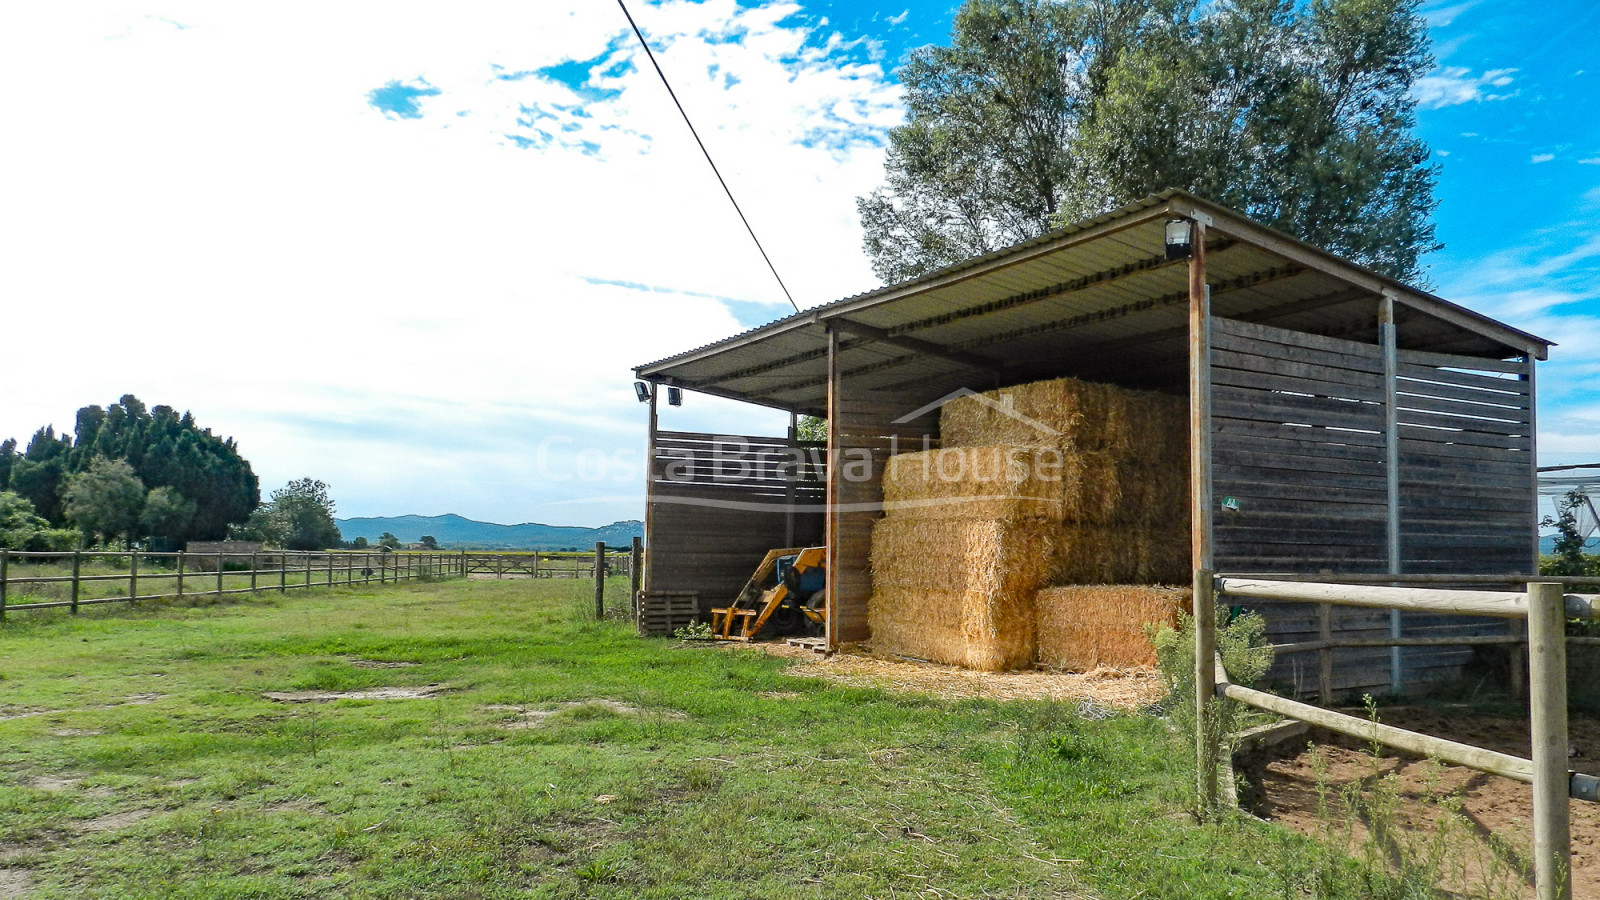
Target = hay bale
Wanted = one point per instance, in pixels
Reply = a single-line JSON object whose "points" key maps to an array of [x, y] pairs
{"points": [[1082, 627], [957, 591], [1070, 414], [979, 483]]}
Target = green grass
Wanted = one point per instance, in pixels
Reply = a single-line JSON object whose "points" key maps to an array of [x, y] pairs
{"points": [[709, 773]]}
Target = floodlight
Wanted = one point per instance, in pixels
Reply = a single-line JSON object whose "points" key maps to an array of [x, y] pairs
{"points": [[674, 396], [642, 391], [1180, 238]]}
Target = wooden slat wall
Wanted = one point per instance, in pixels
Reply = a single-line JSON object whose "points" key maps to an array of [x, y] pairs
{"points": [[865, 434], [1466, 498], [1297, 438], [720, 502], [1298, 426]]}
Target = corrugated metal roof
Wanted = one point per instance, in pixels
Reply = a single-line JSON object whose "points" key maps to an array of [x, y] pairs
{"points": [[1052, 304]]}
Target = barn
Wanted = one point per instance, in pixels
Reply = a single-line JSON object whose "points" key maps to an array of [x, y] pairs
{"points": [[1337, 421]]}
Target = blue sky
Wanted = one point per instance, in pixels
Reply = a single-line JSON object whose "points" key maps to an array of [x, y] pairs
{"points": [[415, 253]]}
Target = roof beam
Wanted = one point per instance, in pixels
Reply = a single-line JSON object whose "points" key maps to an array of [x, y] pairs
{"points": [[1095, 279], [917, 345], [1312, 258]]}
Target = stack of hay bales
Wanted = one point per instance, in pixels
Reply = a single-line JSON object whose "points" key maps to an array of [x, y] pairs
{"points": [[1059, 482]]}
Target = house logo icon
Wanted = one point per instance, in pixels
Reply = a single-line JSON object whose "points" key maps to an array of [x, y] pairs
{"points": [[1005, 405]]}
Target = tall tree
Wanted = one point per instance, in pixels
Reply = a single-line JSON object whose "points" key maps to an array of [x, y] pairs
{"points": [[105, 500], [38, 475], [23, 529], [298, 517], [1297, 114]]}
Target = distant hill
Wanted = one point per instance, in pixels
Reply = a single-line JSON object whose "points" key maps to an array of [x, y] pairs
{"points": [[461, 533]]}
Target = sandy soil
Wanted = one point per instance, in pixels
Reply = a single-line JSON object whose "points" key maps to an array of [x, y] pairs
{"points": [[1283, 786], [1121, 688]]}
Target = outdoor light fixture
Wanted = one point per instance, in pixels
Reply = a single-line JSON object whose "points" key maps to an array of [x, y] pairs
{"points": [[674, 396], [642, 391], [1180, 238]]}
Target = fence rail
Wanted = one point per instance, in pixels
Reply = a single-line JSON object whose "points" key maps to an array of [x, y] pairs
{"points": [[196, 574], [1545, 607]]}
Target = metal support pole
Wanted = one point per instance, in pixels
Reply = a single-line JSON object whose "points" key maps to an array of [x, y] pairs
{"points": [[1205, 691], [1547, 678], [1391, 466]]}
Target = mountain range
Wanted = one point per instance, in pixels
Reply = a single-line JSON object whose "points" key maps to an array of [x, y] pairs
{"points": [[457, 532]]}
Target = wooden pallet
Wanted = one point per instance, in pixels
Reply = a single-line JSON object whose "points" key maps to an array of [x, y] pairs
{"points": [[816, 645], [663, 612]]}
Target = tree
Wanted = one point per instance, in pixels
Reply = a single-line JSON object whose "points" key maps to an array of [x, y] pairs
{"points": [[105, 501], [1041, 113], [430, 542], [166, 513], [298, 517], [388, 541], [360, 543], [1569, 558], [811, 428], [21, 528], [38, 475]]}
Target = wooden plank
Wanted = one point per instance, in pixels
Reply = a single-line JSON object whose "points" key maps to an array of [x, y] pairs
{"points": [[1464, 438], [1309, 476], [1461, 379], [1476, 425], [1455, 361], [1274, 406], [1286, 338], [1284, 374], [1450, 454], [1281, 431], [1243, 447], [1268, 382], [1502, 412]]}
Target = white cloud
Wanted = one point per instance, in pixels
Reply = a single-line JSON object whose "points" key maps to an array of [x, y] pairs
{"points": [[1455, 85], [1593, 161], [1443, 16], [213, 216], [1542, 158], [900, 19]]}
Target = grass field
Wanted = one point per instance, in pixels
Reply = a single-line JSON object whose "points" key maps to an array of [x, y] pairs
{"points": [[555, 756]]}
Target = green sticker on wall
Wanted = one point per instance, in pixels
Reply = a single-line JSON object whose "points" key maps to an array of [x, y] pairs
{"points": [[1230, 503]]}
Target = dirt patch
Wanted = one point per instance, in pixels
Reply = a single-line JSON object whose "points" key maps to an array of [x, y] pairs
{"points": [[111, 822], [15, 883], [532, 718], [48, 782], [139, 700], [860, 667], [383, 693], [381, 663], [75, 732], [302, 805], [11, 852], [780, 695], [1284, 786]]}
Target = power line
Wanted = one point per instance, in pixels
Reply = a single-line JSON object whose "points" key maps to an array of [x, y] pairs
{"points": [[725, 189]]}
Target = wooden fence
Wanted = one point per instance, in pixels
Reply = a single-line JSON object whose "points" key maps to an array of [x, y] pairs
{"points": [[618, 561], [131, 576], [1545, 608]]}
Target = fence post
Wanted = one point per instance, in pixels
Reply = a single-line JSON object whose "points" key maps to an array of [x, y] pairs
{"points": [[5, 573], [635, 574], [77, 559], [1325, 655], [1205, 690], [599, 580], [133, 577], [308, 569], [330, 568], [283, 571], [254, 564], [1547, 681], [220, 562]]}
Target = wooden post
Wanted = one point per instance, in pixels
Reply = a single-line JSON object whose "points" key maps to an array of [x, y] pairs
{"points": [[1519, 652], [1205, 691], [133, 577], [180, 575], [5, 574], [307, 558], [1547, 679], [383, 566], [1199, 401], [599, 580], [794, 482], [330, 568], [283, 571], [255, 563], [77, 561], [1391, 437], [1325, 655], [830, 523], [635, 558], [219, 573]]}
